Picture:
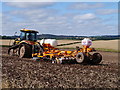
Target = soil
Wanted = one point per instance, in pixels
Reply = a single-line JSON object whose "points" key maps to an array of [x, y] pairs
{"points": [[27, 73]]}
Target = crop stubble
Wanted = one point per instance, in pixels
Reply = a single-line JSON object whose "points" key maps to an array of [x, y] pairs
{"points": [[107, 44]]}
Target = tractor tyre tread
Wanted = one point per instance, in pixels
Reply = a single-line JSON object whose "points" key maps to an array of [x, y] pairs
{"points": [[28, 51]]}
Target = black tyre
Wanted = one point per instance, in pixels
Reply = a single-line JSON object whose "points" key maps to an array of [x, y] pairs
{"points": [[81, 58], [25, 51], [11, 52], [96, 58]]}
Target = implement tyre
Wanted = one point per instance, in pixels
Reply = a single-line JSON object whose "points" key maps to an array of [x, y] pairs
{"points": [[96, 58], [25, 51], [81, 58]]}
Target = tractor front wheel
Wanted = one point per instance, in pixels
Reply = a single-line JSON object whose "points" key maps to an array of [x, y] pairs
{"points": [[11, 52], [25, 51]]}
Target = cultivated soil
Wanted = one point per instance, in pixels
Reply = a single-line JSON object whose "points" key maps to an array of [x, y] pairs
{"points": [[27, 73]]}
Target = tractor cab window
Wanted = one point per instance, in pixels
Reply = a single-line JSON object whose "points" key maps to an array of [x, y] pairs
{"points": [[22, 36], [31, 36], [28, 36]]}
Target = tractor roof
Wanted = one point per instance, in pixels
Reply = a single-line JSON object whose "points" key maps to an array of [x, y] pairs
{"points": [[28, 30]]}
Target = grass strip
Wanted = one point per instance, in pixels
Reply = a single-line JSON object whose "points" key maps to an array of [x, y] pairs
{"points": [[107, 50], [98, 49], [4, 46]]}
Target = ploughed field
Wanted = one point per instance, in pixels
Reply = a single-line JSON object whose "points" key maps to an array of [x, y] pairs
{"points": [[27, 73]]}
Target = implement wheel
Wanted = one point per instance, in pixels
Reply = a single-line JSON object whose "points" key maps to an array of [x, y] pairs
{"points": [[81, 58], [25, 51], [96, 58]]}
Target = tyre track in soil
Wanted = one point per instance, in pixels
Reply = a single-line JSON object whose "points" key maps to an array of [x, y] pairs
{"points": [[26, 73]]}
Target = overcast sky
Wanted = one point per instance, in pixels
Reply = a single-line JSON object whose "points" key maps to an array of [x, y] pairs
{"points": [[61, 18]]}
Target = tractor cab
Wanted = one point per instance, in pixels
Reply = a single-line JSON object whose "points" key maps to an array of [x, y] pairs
{"points": [[30, 35], [26, 44]]}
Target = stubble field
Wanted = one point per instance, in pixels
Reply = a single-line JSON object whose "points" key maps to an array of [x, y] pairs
{"points": [[107, 44]]}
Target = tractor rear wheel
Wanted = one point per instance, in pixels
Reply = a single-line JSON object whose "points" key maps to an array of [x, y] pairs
{"points": [[81, 58], [96, 58], [25, 51]]}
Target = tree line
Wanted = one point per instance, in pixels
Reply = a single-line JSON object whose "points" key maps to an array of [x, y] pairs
{"points": [[62, 37]]}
